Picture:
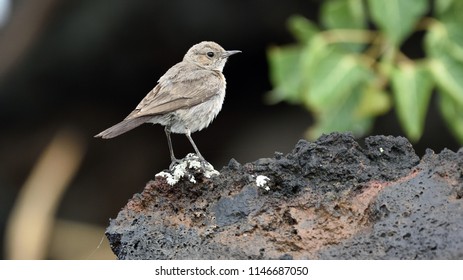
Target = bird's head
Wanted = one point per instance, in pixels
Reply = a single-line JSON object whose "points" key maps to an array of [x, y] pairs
{"points": [[208, 55]]}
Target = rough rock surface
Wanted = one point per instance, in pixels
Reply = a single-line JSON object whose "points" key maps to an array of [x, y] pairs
{"points": [[331, 199]]}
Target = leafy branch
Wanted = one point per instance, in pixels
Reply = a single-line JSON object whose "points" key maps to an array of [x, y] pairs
{"points": [[351, 68]]}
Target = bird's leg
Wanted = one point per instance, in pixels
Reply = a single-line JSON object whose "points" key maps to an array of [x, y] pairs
{"points": [[171, 150], [201, 158]]}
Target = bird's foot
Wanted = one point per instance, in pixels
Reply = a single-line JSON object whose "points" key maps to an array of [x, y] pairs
{"points": [[174, 163], [190, 167], [197, 162]]}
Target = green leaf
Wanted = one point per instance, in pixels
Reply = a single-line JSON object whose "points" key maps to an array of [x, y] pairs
{"points": [[436, 41], [455, 39], [343, 14], [397, 18], [341, 117], [448, 74], [442, 6], [301, 28], [412, 87], [452, 113], [445, 39], [331, 75], [332, 84], [373, 102], [449, 10], [446, 61], [285, 74]]}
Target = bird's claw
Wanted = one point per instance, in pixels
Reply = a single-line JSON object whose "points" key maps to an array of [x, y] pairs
{"points": [[174, 163]]}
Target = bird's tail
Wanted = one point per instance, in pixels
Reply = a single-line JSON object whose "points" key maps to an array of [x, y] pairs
{"points": [[122, 127]]}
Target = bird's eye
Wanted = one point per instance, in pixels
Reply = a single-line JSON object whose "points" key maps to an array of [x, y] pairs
{"points": [[210, 54]]}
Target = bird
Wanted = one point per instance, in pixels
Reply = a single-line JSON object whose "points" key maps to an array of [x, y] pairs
{"points": [[186, 99]]}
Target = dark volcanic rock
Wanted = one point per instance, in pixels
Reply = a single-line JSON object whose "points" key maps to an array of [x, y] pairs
{"points": [[331, 199], [418, 217]]}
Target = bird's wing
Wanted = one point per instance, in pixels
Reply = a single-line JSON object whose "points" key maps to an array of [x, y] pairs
{"points": [[176, 91]]}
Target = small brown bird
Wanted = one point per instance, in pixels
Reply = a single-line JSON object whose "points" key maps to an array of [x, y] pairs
{"points": [[186, 99]]}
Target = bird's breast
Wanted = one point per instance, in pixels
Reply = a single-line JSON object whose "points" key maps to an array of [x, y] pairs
{"points": [[200, 116]]}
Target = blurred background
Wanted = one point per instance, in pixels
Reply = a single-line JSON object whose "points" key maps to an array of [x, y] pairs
{"points": [[70, 69]]}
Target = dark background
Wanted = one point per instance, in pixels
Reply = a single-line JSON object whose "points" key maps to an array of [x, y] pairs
{"points": [[89, 62]]}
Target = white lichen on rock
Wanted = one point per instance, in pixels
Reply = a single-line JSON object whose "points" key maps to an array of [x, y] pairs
{"points": [[187, 167], [194, 163], [169, 177], [210, 171], [261, 181]]}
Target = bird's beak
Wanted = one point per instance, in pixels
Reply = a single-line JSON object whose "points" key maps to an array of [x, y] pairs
{"points": [[228, 53]]}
